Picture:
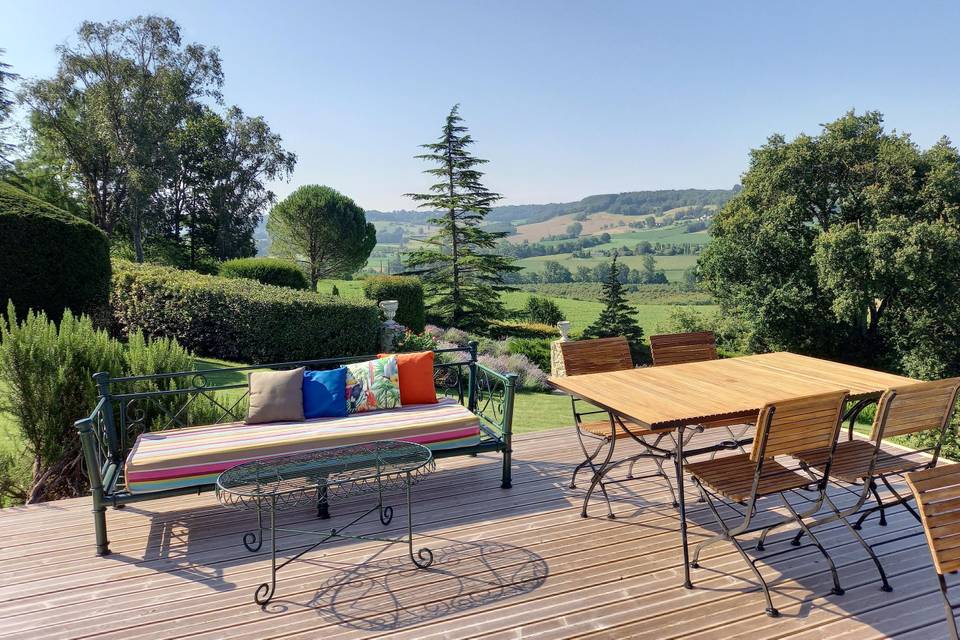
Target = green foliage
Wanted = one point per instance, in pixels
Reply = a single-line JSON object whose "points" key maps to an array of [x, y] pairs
{"points": [[407, 291], [128, 113], [536, 349], [49, 259], [240, 320], [845, 244], [543, 310], [335, 291], [324, 229], [459, 266], [7, 77], [281, 273], [413, 342], [47, 371], [507, 329], [617, 317]]}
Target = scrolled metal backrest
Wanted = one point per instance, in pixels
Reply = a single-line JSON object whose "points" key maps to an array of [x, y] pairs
{"points": [[802, 424], [678, 348], [937, 492], [924, 406], [598, 355]]}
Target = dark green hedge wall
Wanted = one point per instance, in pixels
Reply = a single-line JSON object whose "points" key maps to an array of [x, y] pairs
{"points": [[404, 289], [50, 260], [281, 273], [240, 320]]}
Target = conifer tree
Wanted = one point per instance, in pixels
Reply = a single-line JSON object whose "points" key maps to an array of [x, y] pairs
{"points": [[461, 272], [617, 317]]}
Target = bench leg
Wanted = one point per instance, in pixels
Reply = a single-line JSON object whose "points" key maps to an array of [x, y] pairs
{"points": [[100, 526], [507, 478]]}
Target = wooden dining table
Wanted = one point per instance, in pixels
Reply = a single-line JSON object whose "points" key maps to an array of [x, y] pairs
{"points": [[719, 392]]}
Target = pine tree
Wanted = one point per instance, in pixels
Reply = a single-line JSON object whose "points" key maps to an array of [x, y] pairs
{"points": [[617, 317], [460, 270]]}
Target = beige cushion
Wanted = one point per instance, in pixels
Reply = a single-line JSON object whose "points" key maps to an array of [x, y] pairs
{"points": [[275, 396]]}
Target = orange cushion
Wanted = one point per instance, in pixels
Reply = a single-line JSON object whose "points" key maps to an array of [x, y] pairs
{"points": [[416, 377]]}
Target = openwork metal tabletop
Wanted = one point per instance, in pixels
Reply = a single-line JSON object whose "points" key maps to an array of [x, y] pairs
{"points": [[290, 481]]}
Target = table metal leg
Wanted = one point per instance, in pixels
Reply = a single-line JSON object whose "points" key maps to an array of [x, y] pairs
{"points": [[265, 591], [323, 503], [678, 461], [424, 554]]}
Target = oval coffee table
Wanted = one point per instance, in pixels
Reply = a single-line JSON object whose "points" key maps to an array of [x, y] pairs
{"points": [[279, 483]]}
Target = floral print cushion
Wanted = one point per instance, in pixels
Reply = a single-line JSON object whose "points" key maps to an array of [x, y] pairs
{"points": [[372, 385]]}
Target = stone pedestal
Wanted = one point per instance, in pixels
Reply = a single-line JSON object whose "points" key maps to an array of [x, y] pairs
{"points": [[557, 368]]}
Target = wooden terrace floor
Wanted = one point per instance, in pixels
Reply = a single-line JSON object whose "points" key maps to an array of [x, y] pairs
{"points": [[509, 564]]}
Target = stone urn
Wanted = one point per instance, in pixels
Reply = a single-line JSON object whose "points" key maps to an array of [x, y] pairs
{"points": [[389, 308], [390, 330], [564, 327]]}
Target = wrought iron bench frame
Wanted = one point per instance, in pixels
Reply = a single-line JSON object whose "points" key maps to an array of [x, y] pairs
{"points": [[122, 413]]}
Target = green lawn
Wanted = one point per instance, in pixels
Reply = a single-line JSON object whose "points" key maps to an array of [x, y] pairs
{"points": [[581, 313], [536, 411]]}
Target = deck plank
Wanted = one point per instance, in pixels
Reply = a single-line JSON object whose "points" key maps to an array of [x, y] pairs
{"points": [[510, 563]]}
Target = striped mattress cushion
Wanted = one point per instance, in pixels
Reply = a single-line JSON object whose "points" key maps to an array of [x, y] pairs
{"points": [[195, 456]]}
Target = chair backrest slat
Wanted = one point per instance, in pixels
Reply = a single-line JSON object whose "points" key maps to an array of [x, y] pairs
{"points": [[937, 492], [596, 356], [802, 424], [677, 348], [917, 407]]}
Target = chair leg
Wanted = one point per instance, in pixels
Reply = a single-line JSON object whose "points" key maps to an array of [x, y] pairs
{"points": [[863, 543], [837, 589], [588, 457], [770, 610], [598, 474], [948, 608], [719, 537], [866, 514]]}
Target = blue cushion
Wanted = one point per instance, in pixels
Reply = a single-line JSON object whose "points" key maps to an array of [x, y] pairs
{"points": [[325, 394]]}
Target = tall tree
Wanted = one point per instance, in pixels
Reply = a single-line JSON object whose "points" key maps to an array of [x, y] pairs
{"points": [[6, 109], [845, 244], [461, 272], [117, 97], [216, 196], [322, 229], [618, 318]]}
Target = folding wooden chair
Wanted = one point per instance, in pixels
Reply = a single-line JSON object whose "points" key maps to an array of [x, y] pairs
{"points": [[937, 492], [680, 348], [925, 406], [603, 355], [783, 428]]}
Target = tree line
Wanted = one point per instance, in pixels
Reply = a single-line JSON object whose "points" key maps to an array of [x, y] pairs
{"points": [[131, 132]]}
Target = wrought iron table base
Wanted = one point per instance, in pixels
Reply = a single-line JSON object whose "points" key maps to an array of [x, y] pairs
{"points": [[253, 541]]}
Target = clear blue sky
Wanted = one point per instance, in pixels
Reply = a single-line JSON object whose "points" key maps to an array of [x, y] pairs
{"points": [[565, 99]]}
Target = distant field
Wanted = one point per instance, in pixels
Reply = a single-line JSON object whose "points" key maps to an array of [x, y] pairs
{"points": [[672, 266], [595, 224]]}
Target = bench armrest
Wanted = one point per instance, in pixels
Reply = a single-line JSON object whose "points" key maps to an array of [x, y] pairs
{"points": [[495, 393]]}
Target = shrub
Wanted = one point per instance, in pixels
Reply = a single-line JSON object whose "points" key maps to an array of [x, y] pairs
{"points": [[50, 260], [536, 349], [240, 320], [404, 289], [412, 342], [543, 311], [502, 329], [48, 370], [282, 273], [529, 376]]}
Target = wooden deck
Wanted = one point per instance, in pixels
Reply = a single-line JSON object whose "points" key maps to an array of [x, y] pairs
{"points": [[509, 564]]}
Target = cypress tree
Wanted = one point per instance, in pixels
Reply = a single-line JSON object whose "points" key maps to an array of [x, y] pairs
{"points": [[617, 318], [461, 272]]}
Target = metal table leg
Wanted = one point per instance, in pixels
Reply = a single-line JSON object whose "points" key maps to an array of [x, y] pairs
{"points": [[424, 554], [265, 591], [678, 461]]}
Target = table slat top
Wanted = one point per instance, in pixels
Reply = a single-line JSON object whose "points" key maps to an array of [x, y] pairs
{"points": [[691, 393]]}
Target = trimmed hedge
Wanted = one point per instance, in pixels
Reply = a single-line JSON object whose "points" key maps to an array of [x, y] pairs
{"points": [[275, 271], [404, 289], [506, 329], [50, 260], [236, 319]]}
